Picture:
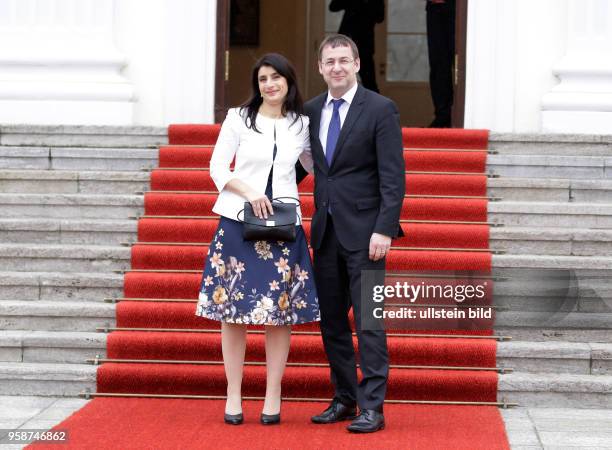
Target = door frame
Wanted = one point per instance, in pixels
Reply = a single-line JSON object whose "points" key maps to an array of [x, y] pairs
{"points": [[312, 84], [458, 112], [222, 60]]}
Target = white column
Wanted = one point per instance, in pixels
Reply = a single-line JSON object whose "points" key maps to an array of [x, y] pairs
{"points": [[59, 64], [511, 49], [190, 61], [171, 57], [582, 100]]}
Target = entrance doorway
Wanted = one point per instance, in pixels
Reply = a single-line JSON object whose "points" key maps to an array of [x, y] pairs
{"points": [[296, 28]]}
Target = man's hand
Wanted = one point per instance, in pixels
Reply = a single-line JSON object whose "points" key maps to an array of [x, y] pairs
{"points": [[379, 246]]}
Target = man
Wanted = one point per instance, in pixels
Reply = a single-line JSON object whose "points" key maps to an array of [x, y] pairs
{"points": [[356, 145], [358, 21], [441, 51]]}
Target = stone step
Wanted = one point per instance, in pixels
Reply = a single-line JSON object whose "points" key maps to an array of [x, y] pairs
{"points": [[550, 334], [556, 390], [592, 358], [131, 159], [75, 158], [550, 190], [552, 241], [130, 182], [73, 182], [46, 379], [64, 231], [64, 316], [551, 144], [96, 136], [69, 206], [540, 214], [550, 214], [62, 286], [551, 166], [98, 258], [523, 356], [526, 389], [559, 320], [51, 346], [513, 240], [552, 262], [63, 258]]}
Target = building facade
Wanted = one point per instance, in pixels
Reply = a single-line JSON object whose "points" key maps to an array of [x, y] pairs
{"points": [[543, 66]]}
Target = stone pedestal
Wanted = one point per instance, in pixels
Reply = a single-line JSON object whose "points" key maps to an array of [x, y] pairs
{"points": [[582, 101], [59, 65]]}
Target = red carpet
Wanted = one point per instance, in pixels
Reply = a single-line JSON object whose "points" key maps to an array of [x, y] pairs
{"points": [[178, 424], [444, 219]]}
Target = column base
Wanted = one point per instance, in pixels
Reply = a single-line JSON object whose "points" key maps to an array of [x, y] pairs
{"points": [[584, 122], [65, 112]]}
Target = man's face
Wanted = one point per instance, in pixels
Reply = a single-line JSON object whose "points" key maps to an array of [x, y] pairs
{"points": [[339, 68]]}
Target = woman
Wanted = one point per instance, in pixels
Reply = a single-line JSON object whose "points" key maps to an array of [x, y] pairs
{"points": [[261, 283]]}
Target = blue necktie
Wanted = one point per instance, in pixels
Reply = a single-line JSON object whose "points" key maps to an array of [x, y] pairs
{"points": [[333, 132]]}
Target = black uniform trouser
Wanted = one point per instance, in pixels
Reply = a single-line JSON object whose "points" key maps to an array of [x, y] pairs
{"points": [[367, 71], [441, 50], [338, 277]]}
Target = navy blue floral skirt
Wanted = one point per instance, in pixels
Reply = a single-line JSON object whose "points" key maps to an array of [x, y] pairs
{"points": [[257, 282]]}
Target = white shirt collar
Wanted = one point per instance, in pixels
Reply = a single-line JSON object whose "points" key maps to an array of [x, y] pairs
{"points": [[347, 97]]}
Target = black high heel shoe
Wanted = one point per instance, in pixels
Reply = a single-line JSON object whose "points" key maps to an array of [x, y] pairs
{"points": [[270, 419], [233, 419]]}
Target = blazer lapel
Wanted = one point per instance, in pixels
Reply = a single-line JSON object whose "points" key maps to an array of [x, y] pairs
{"points": [[351, 117]]}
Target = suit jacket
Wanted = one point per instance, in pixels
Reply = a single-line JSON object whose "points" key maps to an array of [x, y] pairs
{"points": [[252, 155], [365, 184]]}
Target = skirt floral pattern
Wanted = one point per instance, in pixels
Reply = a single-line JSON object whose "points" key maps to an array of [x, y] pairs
{"points": [[258, 283]]}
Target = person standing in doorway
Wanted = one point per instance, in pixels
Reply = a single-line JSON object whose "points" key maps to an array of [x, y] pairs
{"points": [[358, 21], [356, 146], [441, 50]]}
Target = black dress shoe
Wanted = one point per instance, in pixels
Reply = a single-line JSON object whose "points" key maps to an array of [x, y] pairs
{"points": [[368, 421], [233, 419], [440, 123], [336, 412], [270, 419]]}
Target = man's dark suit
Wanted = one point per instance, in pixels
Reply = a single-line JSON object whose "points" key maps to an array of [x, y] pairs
{"points": [[363, 189]]}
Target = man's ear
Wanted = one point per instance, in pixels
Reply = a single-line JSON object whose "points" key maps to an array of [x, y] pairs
{"points": [[358, 64], [320, 67]]}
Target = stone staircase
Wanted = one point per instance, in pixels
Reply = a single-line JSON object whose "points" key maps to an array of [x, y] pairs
{"points": [[67, 195]]}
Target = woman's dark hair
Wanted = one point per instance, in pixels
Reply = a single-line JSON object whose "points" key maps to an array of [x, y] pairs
{"points": [[293, 101]]}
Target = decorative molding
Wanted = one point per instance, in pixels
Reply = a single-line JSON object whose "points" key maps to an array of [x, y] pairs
{"points": [[582, 100], [59, 64]]}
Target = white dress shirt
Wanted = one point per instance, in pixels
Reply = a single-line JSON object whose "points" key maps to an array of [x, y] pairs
{"points": [[328, 109], [252, 152]]}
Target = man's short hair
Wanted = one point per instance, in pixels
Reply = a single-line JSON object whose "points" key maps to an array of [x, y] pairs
{"points": [[338, 40]]}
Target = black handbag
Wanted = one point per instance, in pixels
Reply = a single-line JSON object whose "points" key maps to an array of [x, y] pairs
{"points": [[277, 227]]}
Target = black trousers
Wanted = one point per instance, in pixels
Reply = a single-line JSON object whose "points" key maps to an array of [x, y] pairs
{"points": [[367, 70], [441, 50], [338, 277]]}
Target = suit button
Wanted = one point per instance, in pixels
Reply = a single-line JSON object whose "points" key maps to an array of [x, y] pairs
{"points": [[330, 179], [324, 204]]}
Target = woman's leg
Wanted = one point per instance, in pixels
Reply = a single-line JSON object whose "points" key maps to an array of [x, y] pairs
{"points": [[278, 339], [233, 345]]}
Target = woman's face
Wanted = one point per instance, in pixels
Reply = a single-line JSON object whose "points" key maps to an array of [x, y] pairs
{"points": [[272, 86]]}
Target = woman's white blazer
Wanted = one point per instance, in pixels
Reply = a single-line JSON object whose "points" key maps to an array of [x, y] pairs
{"points": [[252, 154]]}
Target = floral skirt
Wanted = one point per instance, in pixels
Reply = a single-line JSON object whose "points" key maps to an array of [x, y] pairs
{"points": [[259, 283]]}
